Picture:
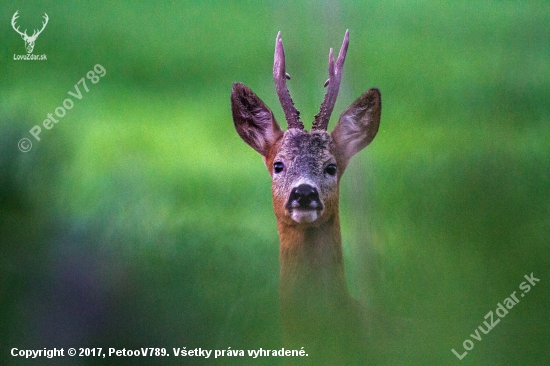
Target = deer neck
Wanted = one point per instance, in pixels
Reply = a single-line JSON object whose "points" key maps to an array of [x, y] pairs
{"points": [[312, 266]]}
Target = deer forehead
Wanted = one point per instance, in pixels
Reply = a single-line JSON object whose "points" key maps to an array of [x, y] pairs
{"points": [[305, 153]]}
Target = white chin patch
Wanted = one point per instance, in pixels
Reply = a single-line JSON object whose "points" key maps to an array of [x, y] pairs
{"points": [[304, 216]]}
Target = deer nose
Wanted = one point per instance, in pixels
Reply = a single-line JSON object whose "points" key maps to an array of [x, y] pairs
{"points": [[304, 197]]}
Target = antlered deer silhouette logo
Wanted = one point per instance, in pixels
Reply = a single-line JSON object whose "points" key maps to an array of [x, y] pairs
{"points": [[29, 41]]}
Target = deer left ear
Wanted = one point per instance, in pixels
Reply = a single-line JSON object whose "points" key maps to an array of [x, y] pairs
{"points": [[253, 120], [358, 124]]}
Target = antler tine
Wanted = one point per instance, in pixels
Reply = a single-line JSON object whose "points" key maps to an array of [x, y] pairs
{"points": [[46, 21], [13, 19], [43, 24], [279, 75], [335, 77]]}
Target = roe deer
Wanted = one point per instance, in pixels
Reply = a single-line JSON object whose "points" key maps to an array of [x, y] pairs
{"points": [[317, 310]]}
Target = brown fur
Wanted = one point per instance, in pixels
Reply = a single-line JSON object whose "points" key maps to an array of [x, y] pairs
{"points": [[317, 311]]}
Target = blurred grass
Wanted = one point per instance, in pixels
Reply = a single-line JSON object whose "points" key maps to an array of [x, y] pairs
{"points": [[142, 220]]}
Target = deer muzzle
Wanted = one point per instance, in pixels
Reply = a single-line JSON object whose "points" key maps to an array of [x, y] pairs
{"points": [[304, 204]]}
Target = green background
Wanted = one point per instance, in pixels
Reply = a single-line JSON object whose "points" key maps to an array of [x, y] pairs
{"points": [[142, 220]]}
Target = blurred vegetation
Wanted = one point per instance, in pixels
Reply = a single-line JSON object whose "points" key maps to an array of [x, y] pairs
{"points": [[142, 220]]}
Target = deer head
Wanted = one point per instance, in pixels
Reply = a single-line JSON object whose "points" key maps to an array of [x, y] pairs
{"points": [[305, 167], [29, 41]]}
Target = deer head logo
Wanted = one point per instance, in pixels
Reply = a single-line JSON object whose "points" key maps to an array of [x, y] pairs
{"points": [[29, 41]]}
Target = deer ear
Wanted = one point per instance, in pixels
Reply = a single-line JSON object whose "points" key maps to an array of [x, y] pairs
{"points": [[358, 124], [253, 120]]}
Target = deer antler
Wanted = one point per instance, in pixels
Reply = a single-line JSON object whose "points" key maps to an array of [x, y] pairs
{"points": [[34, 34], [13, 19], [335, 77], [279, 75], [24, 34]]}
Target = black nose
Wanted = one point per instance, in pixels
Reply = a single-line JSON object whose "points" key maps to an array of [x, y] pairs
{"points": [[304, 197]]}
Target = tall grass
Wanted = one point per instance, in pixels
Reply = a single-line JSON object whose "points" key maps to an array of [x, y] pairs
{"points": [[142, 220]]}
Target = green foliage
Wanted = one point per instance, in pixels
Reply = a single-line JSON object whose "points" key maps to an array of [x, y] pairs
{"points": [[142, 220]]}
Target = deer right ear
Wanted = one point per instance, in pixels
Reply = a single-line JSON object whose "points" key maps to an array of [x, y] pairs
{"points": [[358, 124], [253, 120]]}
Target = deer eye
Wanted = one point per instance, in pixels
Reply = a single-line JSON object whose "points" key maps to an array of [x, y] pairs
{"points": [[278, 166], [330, 169]]}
